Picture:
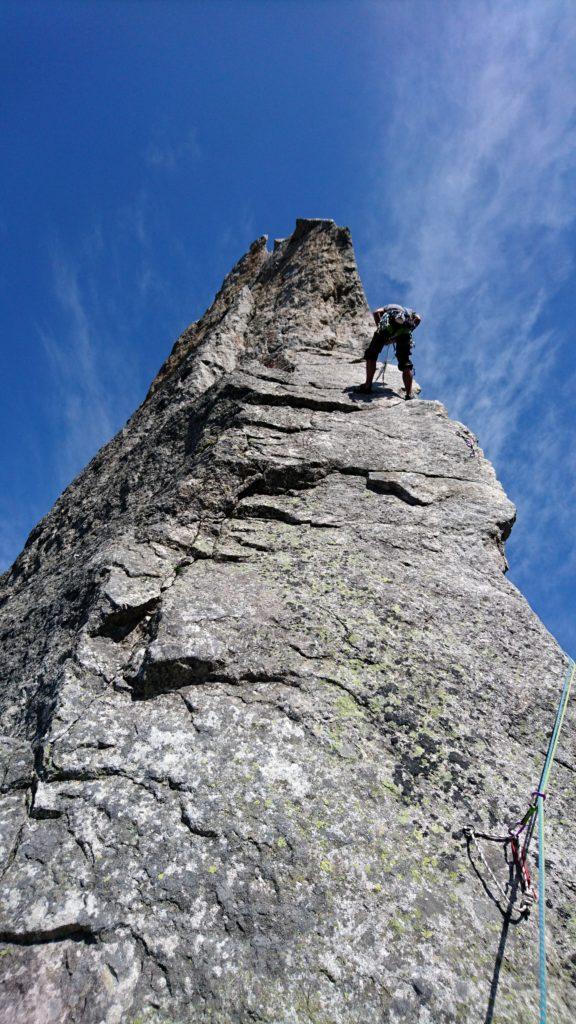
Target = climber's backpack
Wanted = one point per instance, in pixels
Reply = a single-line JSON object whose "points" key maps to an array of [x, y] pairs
{"points": [[397, 320]]}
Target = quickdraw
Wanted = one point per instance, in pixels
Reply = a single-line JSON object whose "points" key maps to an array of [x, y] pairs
{"points": [[520, 855], [520, 846], [523, 879], [470, 440]]}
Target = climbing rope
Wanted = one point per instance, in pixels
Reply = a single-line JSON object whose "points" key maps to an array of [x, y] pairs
{"points": [[519, 837], [540, 795], [382, 373]]}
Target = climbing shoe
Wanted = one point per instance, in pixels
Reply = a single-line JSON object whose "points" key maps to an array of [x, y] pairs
{"points": [[363, 389]]}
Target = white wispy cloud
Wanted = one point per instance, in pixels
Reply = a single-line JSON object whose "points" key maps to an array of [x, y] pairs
{"points": [[108, 289], [95, 375], [234, 237], [474, 206], [80, 402], [169, 155]]}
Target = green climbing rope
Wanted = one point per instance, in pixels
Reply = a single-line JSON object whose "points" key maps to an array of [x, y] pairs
{"points": [[540, 797], [525, 827]]}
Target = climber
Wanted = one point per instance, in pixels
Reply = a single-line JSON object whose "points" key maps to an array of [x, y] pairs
{"points": [[393, 324]]}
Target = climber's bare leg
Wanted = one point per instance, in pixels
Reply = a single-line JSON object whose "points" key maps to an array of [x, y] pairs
{"points": [[370, 371]]}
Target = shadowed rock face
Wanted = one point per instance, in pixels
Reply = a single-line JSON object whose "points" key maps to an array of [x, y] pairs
{"points": [[260, 665]]}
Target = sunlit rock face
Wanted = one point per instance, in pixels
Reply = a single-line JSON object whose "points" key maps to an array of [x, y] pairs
{"points": [[261, 664]]}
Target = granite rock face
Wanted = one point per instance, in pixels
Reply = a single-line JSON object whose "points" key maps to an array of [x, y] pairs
{"points": [[260, 664]]}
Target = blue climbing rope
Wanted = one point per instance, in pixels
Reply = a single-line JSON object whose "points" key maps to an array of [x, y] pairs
{"points": [[519, 848], [540, 797], [542, 913]]}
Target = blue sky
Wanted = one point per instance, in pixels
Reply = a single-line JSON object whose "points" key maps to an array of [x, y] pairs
{"points": [[146, 144]]}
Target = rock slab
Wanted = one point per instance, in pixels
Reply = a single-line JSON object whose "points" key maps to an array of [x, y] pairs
{"points": [[260, 665]]}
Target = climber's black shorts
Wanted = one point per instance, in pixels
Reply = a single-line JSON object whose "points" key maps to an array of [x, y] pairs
{"points": [[402, 347]]}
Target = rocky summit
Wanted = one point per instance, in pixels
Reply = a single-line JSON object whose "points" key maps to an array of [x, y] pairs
{"points": [[261, 667]]}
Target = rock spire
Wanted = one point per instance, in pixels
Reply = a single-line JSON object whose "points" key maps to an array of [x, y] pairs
{"points": [[260, 664]]}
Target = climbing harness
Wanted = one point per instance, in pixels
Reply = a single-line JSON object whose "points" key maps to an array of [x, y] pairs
{"points": [[519, 837], [381, 373]]}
